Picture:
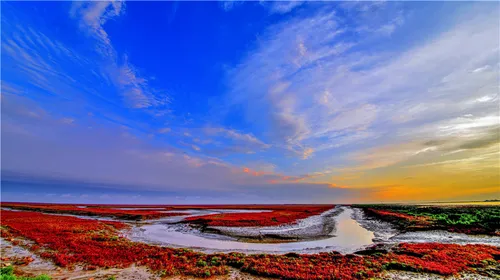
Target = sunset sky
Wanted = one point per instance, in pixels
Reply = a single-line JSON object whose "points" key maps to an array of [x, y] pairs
{"points": [[256, 102]]}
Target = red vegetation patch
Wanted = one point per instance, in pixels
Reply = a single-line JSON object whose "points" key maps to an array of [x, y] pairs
{"points": [[281, 214], [273, 218], [92, 211], [69, 241], [414, 221], [317, 266], [444, 259]]}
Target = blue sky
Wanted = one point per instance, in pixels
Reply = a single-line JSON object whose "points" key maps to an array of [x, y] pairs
{"points": [[248, 102]]}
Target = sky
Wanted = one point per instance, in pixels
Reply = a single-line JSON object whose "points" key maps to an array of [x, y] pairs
{"points": [[250, 102]]}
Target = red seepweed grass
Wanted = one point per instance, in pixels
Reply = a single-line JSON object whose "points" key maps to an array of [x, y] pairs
{"points": [[70, 241], [92, 211], [278, 216]]}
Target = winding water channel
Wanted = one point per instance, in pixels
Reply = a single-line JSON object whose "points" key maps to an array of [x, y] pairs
{"points": [[350, 232], [347, 236]]}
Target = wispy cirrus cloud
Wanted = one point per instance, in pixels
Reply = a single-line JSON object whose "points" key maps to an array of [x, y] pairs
{"points": [[281, 7], [293, 73], [229, 5], [92, 17], [215, 140], [134, 87], [29, 51], [274, 7], [220, 141], [164, 130], [326, 91], [246, 138], [54, 68]]}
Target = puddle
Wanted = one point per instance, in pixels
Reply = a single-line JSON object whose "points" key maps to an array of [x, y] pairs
{"points": [[347, 237]]}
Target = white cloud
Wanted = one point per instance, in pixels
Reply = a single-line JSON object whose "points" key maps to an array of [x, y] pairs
{"points": [[135, 88], [307, 153], [288, 67], [358, 118], [281, 7], [482, 69], [93, 16], [229, 5], [23, 47], [50, 67], [244, 138], [312, 87], [68, 120], [196, 148], [164, 130], [467, 126], [487, 98]]}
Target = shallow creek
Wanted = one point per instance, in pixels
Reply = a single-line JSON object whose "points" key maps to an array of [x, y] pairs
{"points": [[347, 236], [351, 232]]}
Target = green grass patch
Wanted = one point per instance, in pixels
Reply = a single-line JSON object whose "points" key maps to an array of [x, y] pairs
{"points": [[7, 273]]}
